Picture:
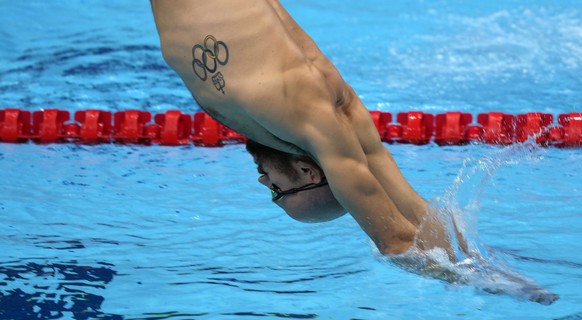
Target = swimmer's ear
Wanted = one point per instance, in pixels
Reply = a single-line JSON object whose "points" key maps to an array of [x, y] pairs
{"points": [[308, 169]]}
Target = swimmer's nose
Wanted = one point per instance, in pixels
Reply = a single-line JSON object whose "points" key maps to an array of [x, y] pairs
{"points": [[264, 180]]}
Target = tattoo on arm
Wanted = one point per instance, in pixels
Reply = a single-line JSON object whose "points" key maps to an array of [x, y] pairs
{"points": [[206, 59]]}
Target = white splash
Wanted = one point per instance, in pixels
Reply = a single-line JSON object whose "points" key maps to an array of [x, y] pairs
{"points": [[464, 258]]}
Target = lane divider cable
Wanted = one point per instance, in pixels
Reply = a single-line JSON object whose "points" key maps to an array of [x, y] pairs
{"points": [[174, 128]]}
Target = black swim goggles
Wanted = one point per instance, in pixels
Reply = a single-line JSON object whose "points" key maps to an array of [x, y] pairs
{"points": [[277, 193]]}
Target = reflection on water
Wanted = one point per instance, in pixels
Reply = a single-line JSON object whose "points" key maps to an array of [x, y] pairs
{"points": [[52, 291], [31, 290], [468, 260]]}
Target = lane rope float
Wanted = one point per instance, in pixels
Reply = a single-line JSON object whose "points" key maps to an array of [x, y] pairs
{"points": [[174, 128]]}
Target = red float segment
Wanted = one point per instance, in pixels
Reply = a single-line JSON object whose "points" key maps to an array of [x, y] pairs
{"points": [[393, 133], [48, 125], [94, 126], [451, 128], [130, 126], [475, 133], [14, 125], [533, 124], [498, 128], [175, 128], [206, 130], [210, 133], [417, 127], [571, 135], [555, 136]]}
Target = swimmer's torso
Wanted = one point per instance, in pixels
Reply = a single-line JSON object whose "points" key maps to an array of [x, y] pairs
{"points": [[251, 67], [246, 63]]}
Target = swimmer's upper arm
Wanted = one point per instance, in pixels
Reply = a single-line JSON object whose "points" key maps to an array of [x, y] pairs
{"points": [[306, 116], [334, 144]]}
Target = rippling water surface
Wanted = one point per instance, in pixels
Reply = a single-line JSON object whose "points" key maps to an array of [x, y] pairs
{"points": [[132, 232], [153, 232]]}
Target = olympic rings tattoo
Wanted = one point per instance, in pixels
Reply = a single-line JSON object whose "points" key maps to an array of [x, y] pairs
{"points": [[206, 59]]}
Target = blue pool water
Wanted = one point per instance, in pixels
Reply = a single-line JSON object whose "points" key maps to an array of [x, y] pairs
{"points": [[132, 232]]}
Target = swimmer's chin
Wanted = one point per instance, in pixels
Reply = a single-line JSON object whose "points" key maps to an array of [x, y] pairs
{"points": [[313, 207], [315, 216]]}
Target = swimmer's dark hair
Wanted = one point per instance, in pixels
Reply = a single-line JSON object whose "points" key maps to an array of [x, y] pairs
{"points": [[281, 160]]}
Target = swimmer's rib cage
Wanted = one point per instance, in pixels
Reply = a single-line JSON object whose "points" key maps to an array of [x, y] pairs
{"points": [[176, 128]]}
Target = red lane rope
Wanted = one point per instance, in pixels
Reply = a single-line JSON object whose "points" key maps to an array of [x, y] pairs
{"points": [[176, 128]]}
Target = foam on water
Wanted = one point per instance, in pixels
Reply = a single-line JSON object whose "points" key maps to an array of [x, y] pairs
{"points": [[465, 259]]}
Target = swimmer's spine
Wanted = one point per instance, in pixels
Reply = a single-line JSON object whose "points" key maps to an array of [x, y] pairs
{"points": [[176, 128]]}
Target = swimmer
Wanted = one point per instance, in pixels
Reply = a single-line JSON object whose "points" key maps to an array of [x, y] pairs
{"points": [[250, 66]]}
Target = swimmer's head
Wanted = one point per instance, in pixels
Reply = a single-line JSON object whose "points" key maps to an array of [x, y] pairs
{"points": [[298, 184]]}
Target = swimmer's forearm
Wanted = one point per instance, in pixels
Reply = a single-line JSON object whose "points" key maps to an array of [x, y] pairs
{"points": [[361, 194], [337, 149], [406, 199]]}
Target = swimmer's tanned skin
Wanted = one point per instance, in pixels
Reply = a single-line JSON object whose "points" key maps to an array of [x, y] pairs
{"points": [[250, 66]]}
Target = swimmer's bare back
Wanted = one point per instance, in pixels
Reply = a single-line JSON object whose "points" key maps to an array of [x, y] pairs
{"points": [[247, 63], [252, 68], [239, 61]]}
